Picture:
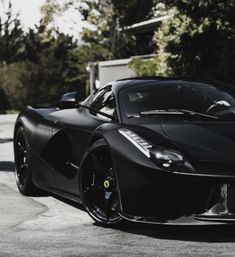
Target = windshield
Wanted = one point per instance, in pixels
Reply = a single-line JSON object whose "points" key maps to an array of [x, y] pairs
{"points": [[157, 99]]}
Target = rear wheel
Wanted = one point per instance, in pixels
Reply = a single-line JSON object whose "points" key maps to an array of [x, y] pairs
{"points": [[22, 162], [99, 186]]}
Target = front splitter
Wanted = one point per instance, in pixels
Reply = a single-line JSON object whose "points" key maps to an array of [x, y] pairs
{"points": [[196, 220]]}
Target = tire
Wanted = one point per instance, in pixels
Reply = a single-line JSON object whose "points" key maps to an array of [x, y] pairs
{"points": [[98, 186], [23, 173]]}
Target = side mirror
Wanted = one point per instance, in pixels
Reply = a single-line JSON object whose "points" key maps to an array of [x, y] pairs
{"points": [[69, 100]]}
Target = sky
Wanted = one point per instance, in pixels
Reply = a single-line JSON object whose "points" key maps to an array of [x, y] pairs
{"points": [[29, 13]]}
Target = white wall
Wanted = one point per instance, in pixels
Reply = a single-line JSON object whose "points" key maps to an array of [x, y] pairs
{"points": [[113, 70]]}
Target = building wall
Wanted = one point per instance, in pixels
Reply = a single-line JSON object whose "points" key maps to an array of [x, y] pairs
{"points": [[113, 70]]}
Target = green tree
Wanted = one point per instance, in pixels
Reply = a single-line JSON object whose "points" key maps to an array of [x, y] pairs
{"points": [[133, 12], [105, 25], [109, 18], [36, 67], [198, 41], [12, 85], [11, 55], [51, 65], [11, 37]]}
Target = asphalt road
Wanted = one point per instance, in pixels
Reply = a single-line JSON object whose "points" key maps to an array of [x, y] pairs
{"points": [[46, 226]]}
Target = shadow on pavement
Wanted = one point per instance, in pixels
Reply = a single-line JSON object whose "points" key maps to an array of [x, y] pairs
{"points": [[195, 233], [7, 166], [5, 140]]}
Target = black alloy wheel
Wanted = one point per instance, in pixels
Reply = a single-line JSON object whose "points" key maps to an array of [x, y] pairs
{"points": [[98, 186], [22, 163]]}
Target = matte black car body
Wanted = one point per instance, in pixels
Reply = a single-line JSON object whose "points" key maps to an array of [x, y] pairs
{"points": [[198, 190]]}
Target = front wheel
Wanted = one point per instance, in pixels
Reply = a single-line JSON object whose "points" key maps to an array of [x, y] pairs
{"points": [[98, 186], [22, 164]]}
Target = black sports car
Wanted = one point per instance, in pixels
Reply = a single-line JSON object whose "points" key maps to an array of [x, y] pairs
{"points": [[158, 150]]}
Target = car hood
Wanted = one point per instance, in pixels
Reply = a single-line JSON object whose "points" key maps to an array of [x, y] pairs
{"points": [[209, 146]]}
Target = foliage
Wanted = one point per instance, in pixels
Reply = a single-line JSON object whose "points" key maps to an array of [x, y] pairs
{"points": [[4, 103], [36, 67], [199, 40], [155, 66], [85, 54], [104, 30], [50, 66], [11, 51], [49, 10], [10, 81], [48, 70], [108, 20], [133, 12], [11, 37]]}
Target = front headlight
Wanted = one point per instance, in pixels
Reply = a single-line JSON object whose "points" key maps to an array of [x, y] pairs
{"points": [[167, 157], [163, 157], [137, 141]]}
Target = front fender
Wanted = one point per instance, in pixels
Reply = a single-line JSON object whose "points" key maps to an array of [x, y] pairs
{"points": [[149, 191]]}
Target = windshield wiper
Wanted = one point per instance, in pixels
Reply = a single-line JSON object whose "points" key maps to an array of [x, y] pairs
{"points": [[154, 112], [172, 112], [197, 114]]}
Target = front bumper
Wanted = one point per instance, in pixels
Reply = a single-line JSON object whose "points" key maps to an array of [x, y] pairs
{"points": [[154, 196], [219, 210]]}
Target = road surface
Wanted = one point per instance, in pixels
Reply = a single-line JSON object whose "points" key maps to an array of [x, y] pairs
{"points": [[46, 226]]}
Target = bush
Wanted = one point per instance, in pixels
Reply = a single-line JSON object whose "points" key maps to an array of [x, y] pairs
{"points": [[4, 103]]}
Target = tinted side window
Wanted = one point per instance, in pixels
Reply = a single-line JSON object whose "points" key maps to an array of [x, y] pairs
{"points": [[92, 98], [104, 102]]}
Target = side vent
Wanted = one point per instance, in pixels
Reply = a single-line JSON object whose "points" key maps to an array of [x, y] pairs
{"points": [[58, 154]]}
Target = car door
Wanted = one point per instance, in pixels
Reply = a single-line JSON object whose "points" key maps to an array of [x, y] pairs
{"points": [[74, 128]]}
